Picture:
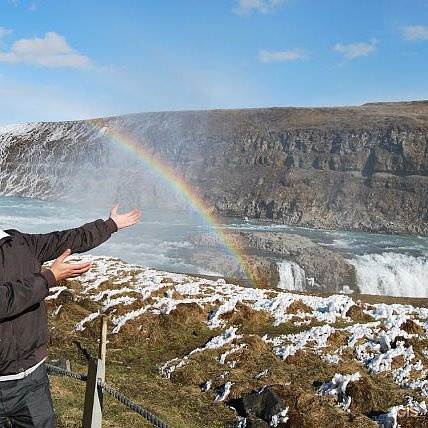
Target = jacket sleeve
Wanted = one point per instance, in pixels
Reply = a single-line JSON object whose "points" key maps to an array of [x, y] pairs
{"points": [[17, 296], [49, 246]]}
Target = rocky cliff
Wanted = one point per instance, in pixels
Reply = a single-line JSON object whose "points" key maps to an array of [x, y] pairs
{"points": [[360, 168], [324, 270]]}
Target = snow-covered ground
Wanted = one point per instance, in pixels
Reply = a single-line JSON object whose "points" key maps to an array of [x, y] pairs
{"points": [[381, 344]]}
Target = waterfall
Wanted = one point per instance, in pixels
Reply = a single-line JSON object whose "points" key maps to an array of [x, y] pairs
{"points": [[291, 276], [392, 274]]}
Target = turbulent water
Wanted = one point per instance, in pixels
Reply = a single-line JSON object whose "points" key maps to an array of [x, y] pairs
{"points": [[394, 265], [385, 264]]}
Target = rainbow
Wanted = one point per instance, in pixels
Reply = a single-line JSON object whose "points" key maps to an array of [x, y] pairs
{"points": [[175, 183]]}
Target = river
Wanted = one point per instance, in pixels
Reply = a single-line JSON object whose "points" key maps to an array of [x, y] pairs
{"points": [[385, 264]]}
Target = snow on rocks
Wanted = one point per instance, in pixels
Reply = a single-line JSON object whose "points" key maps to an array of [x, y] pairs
{"points": [[222, 392], [207, 385], [56, 311], [262, 373], [413, 408], [119, 321], [90, 317], [331, 358], [236, 348], [317, 335], [55, 292], [216, 342], [200, 290], [279, 418]]}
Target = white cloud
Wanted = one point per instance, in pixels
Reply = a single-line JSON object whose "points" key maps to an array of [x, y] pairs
{"points": [[33, 7], [415, 32], [50, 51], [244, 7], [4, 32], [280, 56], [355, 50]]}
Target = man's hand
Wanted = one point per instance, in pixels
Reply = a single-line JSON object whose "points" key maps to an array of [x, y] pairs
{"points": [[124, 220], [63, 270]]}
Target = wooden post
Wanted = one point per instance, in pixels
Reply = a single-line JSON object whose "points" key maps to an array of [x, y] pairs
{"points": [[103, 339], [92, 411]]}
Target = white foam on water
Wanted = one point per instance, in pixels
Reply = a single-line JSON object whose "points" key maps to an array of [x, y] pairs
{"points": [[392, 274], [291, 276]]}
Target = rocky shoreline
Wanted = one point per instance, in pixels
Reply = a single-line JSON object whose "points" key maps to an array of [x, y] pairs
{"points": [[325, 270]]}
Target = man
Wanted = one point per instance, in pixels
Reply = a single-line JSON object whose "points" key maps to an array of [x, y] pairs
{"points": [[24, 387]]}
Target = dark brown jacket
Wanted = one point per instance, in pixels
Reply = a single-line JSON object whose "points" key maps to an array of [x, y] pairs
{"points": [[23, 288]]}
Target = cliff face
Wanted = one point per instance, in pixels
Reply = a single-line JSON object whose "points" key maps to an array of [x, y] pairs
{"points": [[359, 168], [362, 168]]}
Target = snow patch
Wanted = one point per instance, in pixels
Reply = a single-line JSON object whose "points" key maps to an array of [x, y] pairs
{"points": [[337, 387]]}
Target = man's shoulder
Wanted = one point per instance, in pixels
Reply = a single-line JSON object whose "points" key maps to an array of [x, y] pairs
{"points": [[13, 232], [16, 235], [10, 235]]}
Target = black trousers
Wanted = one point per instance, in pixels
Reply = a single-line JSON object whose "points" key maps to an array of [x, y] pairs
{"points": [[27, 402]]}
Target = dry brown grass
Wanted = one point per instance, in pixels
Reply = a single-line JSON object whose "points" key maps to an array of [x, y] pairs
{"points": [[186, 313], [299, 306], [409, 326], [145, 343], [338, 338], [250, 321], [306, 409], [357, 314]]}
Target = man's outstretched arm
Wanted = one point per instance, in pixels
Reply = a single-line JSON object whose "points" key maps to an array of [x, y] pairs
{"points": [[63, 270], [18, 295], [50, 246]]}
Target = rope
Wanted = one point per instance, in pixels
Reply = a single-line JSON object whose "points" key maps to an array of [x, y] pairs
{"points": [[82, 350], [62, 372], [110, 390], [133, 406]]}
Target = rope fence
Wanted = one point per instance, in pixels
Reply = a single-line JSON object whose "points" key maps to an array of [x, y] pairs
{"points": [[92, 415], [58, 371]]}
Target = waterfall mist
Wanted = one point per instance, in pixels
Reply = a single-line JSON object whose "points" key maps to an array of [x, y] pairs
{"points": [[73, 172], [110, 174]]}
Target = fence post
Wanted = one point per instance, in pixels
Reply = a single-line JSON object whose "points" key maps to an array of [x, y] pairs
{"points": [[92, 411], [103, 339]]}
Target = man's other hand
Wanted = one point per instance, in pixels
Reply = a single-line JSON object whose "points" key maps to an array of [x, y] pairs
{"points": [[63, 270]]}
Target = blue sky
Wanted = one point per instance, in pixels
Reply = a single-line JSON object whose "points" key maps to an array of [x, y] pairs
{"points": [[79, 59]]}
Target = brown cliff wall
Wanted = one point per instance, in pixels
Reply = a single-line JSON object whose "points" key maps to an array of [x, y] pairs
{"points": [[362, 168]]}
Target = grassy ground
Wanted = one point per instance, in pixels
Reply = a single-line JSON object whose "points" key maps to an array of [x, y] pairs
{"points": [[146, 342]]}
